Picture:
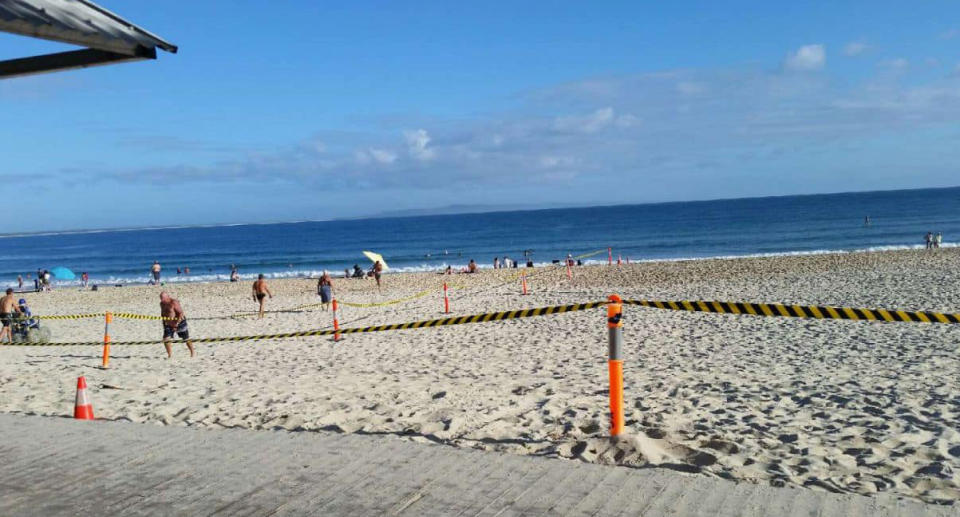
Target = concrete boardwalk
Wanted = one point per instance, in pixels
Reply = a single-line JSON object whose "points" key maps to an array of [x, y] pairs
{"points": [[52, 466]]}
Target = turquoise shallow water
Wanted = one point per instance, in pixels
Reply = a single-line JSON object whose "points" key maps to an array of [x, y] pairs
{"points": [[739, 227]]}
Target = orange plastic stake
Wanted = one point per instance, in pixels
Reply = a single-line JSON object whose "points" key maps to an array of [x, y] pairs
{"points": [[523, 283], [336, 323], [108, 318], [446, 300], [569, 272], [615, 363]]}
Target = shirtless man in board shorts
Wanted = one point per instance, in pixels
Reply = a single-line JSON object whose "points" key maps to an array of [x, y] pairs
{"points": [[8, 309], [174, 322], [377, 271], [260, 292]]}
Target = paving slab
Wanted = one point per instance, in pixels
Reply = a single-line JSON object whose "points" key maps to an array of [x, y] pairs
{"points": [[60, 466]]}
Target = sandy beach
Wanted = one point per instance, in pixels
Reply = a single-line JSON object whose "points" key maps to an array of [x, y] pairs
{"points": [[845, 406]]}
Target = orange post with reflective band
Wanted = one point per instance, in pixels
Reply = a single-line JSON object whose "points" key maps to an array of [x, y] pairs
{"points": [[108, 319], [336, 323], [446, 300], [615, 363], [523, 283]]}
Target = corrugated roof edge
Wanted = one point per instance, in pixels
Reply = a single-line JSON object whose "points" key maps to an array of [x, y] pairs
{"points": [[160, 42]]}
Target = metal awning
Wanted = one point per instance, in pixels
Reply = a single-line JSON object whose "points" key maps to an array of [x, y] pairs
{"points": [[108, 37]]}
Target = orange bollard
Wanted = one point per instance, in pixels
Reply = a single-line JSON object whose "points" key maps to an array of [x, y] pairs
{"points": [[108, 318], [609, 256], [615, 363], [336, 324], [523, 283], [446, 300], [569, 272]]}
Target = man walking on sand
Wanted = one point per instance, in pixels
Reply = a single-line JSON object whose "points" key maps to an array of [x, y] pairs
{"points": [[174, 322], [377, 272], [260, 292], [155, 270], [8, 309]]}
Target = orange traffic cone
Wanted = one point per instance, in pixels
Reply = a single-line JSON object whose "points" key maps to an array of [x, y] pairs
{"points": [[83, 410]]}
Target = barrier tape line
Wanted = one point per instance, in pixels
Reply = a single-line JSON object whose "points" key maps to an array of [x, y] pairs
{"points": [[65, 316], [442, 322], [800, 311], [753, 309]]}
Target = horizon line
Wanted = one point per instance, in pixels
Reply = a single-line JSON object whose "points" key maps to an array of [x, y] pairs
{"points": [[75, 231]]}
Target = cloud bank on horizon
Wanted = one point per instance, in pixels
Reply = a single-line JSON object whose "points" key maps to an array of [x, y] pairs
{"points": [[688, 122]]}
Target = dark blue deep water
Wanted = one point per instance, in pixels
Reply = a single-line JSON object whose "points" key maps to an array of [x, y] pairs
{"points": [[739, 227]]}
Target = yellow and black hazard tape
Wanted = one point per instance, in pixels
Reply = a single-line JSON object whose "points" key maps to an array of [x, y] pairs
{"points": [[65, 316], [800, 311], [133, 316], [442, 322]]}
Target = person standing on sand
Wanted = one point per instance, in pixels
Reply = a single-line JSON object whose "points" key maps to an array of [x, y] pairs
{"points": [[155, 270], [496, 262], [19, 282], [260, 292], [325, 289], [928, 239], [174, 322], [377, 272], [937, 239], [8, 308]]}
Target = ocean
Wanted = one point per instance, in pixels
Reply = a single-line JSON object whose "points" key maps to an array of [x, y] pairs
{"points": [[665, 231]]}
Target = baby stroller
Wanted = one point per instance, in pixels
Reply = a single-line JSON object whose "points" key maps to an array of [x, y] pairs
{"points": [[26, 328]]}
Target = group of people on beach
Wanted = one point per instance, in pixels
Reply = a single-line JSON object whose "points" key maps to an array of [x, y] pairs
{"points": [[933, 240], [375, 272], [15, 312]]}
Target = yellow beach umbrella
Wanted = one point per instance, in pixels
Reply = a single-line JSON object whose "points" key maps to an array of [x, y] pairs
{"points": [[374, 257]]}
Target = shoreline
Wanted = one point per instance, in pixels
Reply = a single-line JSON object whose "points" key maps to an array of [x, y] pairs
{"points": [[314, 274]]}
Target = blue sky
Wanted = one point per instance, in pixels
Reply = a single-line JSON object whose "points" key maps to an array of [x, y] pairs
{"points": [[278, 111]]}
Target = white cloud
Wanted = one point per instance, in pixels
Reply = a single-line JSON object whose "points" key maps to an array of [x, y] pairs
{"points": [[590, 123], [806, 58], [855, 48], [555, 162], [627, 120], [381, 156], [898, 64], [417, 142], [593, 122], [690, 88]]}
